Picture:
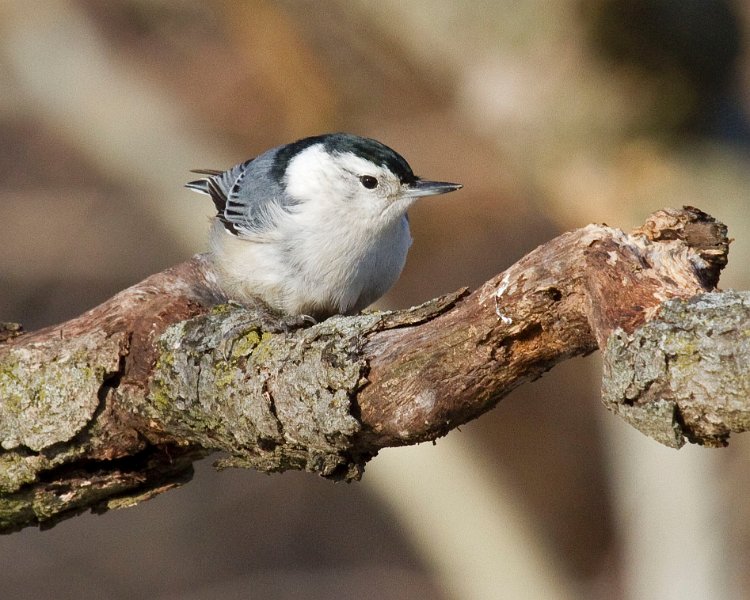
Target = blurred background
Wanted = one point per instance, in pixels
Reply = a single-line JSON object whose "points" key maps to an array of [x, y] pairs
{"points": [[553, 115]]}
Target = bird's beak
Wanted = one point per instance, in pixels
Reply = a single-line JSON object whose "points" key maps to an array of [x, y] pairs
{"points": [[422, 187]]}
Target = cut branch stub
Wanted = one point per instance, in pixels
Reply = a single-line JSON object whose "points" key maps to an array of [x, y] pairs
{"points": [[677, 254]]}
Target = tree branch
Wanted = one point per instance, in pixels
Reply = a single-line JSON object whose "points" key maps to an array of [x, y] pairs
{"points": [[685, 374], [112, 407]]}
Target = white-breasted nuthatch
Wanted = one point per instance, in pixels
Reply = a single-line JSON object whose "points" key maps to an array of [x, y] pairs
{"points": [[316, 227]]}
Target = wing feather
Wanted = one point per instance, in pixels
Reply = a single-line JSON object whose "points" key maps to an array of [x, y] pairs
{"points": [[222, 187]]}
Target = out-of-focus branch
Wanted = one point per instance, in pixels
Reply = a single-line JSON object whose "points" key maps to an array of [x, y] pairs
{"points": [[112, 407]]}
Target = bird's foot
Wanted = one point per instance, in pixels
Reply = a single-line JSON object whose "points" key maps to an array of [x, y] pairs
{"points": [[272, 320]]}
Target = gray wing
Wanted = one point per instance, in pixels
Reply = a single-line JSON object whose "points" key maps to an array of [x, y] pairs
{"points": [[246, 197]]}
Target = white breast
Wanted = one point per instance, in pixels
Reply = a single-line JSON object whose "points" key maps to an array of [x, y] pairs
{"points": [[347, 272], [323, 274]]}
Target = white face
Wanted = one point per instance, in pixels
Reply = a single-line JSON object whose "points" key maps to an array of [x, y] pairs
{"points": [[346, 182]]}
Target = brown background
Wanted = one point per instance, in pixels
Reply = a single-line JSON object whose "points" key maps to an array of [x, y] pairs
{"points": [[552, 117]]}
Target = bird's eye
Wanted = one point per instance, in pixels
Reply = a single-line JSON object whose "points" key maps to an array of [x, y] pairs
{"points": [[368, 181]]}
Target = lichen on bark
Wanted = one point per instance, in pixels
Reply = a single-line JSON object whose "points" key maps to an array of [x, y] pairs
{"points": [[684, 375], [273, 402], [47, 395]]}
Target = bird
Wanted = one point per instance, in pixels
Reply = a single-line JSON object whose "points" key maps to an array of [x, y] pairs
{"points": [[314, 228]]}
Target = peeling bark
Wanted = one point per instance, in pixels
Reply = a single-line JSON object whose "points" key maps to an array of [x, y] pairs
{"points": [[112, 407]]}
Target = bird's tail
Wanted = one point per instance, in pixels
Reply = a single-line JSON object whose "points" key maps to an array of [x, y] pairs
{"points": [[210, 186]]}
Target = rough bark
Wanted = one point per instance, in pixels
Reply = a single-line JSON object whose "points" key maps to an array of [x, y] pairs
{"points": [[685, 375], [112, 407]]}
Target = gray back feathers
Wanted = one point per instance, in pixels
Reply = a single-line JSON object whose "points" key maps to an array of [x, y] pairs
{"points": [[246, 197]]}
